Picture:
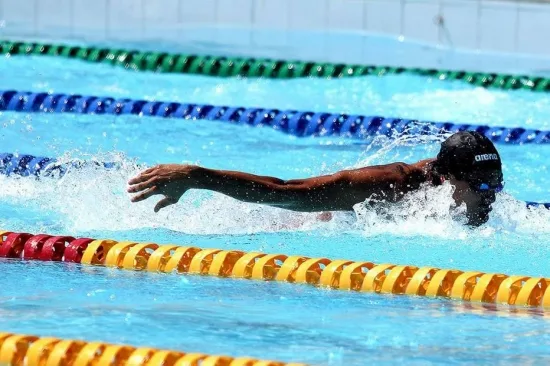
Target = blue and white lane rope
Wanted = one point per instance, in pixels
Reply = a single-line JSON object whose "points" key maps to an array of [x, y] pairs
{"points": [[29, 165], [298, 123], [39, 166], [537, 204]]}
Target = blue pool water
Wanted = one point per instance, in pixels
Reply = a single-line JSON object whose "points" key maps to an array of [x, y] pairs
{"points": [[267, 320]]}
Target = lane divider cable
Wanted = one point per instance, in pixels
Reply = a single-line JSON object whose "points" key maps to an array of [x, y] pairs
{"points": [[21, 349], [266, 68], [359, 276], [293, 122]]}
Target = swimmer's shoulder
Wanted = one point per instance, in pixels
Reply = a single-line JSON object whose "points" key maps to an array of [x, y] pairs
{"points": [[422, 166], [413, 169], [414, 173], [394, 173]]}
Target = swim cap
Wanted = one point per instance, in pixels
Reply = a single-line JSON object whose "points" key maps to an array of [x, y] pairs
{"points": [[470, 156]]}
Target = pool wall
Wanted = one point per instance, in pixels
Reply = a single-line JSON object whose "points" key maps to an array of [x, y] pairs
{"points": [[432, 33]]}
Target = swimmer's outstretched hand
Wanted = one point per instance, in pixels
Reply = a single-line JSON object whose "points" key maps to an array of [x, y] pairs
{"points": [[169, 180]]}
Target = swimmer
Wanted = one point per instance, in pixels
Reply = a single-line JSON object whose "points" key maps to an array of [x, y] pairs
{"points": [[467, 160]]}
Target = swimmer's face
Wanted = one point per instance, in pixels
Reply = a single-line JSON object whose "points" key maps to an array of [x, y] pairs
{"points": [[478, 201]]}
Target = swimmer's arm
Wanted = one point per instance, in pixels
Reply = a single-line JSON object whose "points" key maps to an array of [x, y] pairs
{"points": [[335, 192]]}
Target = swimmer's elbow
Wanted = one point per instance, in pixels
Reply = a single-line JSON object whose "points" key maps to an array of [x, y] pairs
{"points": [[328, 193]]}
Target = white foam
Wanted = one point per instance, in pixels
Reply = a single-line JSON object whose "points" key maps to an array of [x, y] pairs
{"points": [[429, 212], [94, 198]]}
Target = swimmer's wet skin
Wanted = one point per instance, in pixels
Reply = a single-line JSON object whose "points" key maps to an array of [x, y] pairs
{"points": [[467, 159]]}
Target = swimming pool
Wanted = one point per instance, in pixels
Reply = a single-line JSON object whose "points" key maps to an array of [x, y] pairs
{"points": [[267, 320]]}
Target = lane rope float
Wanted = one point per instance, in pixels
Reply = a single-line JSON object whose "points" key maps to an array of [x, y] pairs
{"points": [[538, 204], [266, 68], [386, 278], [297, 123], [21, 349], [38, 166], [30, 165]]}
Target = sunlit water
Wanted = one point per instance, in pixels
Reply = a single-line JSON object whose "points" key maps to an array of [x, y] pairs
{"points": [[276, 321], [406, 96]]}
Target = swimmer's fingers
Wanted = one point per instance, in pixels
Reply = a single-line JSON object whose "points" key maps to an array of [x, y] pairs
{"points": [[165, 202], [145, 194], [142, 185], [142, 177]]}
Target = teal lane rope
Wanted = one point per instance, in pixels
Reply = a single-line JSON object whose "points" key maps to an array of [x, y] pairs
{"points": [[298, 123], [266, 68]]}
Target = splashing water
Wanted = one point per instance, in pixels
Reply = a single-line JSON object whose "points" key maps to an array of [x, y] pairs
{"points": [[430, 212], [382, 149], [420, 230], [427, 212], [93, 198]]}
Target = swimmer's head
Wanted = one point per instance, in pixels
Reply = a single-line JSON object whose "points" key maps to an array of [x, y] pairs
{"points": [[471, 162]]}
